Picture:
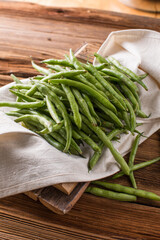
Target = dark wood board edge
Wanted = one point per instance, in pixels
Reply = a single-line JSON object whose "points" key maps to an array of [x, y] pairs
{"points": [[79, 15], [59, 202]]}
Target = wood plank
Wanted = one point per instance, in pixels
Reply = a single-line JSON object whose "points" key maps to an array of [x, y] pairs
{"points": [[109, 5], [58, 201], [29, 29], [91, 218], [66, 188], [34, 194], [80, 15]]}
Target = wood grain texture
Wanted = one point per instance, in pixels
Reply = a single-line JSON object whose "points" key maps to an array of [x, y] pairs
{"points": [[109, 5], [66, 188], [27, 29]]}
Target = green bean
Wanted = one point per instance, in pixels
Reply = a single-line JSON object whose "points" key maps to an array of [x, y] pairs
{"points": [[101, 59], [95, 157], [31, 91], [141, 114], [110, 78], [56, 90], [54, 143], [83, 105], [21, 86], [89, 141], [142, 84], [132, 117], [114, 100], [47, 137], [55, 75], [131, 111], [67, 58], [127, 71], [63, 74], [137, 166], [84, 126], [52, 110], [90, 106], [38, 77], [40, 69], [23, 96], [57, 62], [43, 131], [76, 135], [100, 66], [87, 75], [73, 142], [74, 106], [107, 124], [23, 104], [84, 88], [130, 96], [111, 195], [142, 76], [128, 190], [137, 98], [106, 85], [15, 79], [28, 111], [126, 119], [131, 159], [123, 78], [60, 106], [102, 115], [61, 140], [36, 95], [102, 136], [56, 68], [42, 120], [110, 114], [74, 148], [81, 78], [14, 114]]}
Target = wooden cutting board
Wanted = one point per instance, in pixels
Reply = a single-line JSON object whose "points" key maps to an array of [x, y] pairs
{"points": [[43, 32]]}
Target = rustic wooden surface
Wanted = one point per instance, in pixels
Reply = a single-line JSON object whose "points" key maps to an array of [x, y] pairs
{"points": [[108, 5], [27, 29]]}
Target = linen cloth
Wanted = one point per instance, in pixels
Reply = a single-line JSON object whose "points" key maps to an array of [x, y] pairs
{"points": [[28, 162]]}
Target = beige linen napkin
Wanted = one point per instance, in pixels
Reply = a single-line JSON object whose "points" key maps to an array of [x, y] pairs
{"points": [[28, 162]]}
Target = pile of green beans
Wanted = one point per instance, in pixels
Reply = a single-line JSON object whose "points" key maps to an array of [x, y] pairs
{"points": [[70, 102]]}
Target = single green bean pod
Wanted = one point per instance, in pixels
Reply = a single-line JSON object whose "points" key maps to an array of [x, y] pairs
{"points": [[128, 190], [111, 195], [137, 166]]}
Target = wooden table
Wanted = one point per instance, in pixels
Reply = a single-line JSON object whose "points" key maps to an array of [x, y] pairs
{"points": [[28, 29], [109, 5]]}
